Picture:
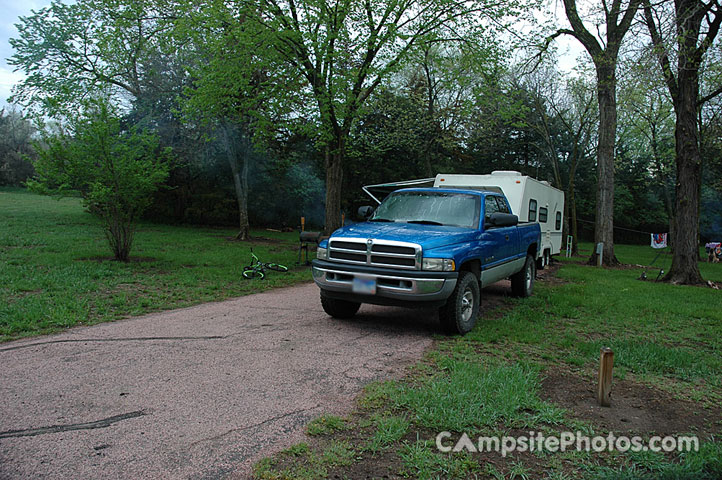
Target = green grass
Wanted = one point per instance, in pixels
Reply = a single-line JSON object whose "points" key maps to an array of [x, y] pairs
{"points": [[56, 271], [667, 334], [325, 425], [645, 255], [389, 429], [489, 381], [421, 460], [459, 396], [303, 463]]}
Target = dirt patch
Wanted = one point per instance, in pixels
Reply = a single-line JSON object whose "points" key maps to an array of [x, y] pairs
{"points": [[549, 274], [636, 408]]}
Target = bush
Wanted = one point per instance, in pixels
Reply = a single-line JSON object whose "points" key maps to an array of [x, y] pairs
{"points": [[116, 170]]}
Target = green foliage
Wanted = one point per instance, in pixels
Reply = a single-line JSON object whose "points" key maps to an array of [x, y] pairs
{"points": [[69, 52], [16, 136], [115, 170]]}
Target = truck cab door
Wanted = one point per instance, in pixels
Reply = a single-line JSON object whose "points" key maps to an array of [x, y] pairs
{"points": [[500, 244]]}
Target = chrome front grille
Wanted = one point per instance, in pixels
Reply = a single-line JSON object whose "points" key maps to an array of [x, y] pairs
{"points": [[378, 253]]}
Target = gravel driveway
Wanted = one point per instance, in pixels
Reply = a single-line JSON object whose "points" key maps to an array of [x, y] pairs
{"points": [[201, 392]]}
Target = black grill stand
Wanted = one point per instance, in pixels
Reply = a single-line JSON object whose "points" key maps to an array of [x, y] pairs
{"points": [[305, 239]]}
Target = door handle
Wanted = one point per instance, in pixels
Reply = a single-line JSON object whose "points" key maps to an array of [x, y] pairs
{"points": [[507, 238]]}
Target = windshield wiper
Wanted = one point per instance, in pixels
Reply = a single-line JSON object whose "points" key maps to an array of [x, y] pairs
{"points": [[425, 222], [381, 220]]}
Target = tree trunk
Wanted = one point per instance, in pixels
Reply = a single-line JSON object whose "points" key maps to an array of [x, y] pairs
{"points": [[604, 221], [575, 228], [334, 182], [240, 181], [685, 269], [571, 204], [240, 176], [119, 231]]}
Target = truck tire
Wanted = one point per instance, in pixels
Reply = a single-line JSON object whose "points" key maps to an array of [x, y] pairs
{"points": [[339, 308], [459, 314], [522, 282]]}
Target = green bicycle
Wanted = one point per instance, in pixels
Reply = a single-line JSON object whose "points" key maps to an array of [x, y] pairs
{"points": [[257, 268]]}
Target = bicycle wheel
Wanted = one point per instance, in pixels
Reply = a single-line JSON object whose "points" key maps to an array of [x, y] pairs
{"points": [[277, 267], [253, 273]]}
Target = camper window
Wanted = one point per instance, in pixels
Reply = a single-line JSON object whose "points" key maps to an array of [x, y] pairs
{"points": [[543, 212], [558, 225], [532, 210]]}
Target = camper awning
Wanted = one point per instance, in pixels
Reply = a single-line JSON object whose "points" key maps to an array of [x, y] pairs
{"points": [[383, 189]]}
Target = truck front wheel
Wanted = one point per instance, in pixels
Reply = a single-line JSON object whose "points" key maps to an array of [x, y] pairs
{"points": [[522, 282], [339, 308], [462, 308]]}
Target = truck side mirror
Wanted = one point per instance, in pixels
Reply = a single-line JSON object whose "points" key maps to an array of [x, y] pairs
{"points": [[500, 220], [366, 211]]}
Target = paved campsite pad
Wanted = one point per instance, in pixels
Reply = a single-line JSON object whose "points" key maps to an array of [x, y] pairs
{"points": [[201, 392]]}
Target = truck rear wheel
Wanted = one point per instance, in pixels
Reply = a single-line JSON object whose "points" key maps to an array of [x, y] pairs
{"points": [[522, 282], [339, 308], [462, 308]]}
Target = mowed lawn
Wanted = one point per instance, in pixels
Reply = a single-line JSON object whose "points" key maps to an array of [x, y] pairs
{"points": [[56, 269], [531, 365]]}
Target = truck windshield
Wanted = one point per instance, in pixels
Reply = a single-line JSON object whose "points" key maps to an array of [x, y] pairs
{"points": [[432, 208]]}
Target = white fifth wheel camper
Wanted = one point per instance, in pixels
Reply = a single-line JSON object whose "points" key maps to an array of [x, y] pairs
{"points": [[530, 199]]}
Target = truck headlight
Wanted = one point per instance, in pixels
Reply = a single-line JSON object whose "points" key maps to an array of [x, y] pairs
{"points": [[438, 264], [322, 253]]}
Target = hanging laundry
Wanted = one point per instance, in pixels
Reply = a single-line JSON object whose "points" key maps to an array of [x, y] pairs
{"points": [[659, 240]]}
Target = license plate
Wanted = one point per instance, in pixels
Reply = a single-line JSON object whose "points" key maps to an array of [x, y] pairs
{"points": [[364, 285]]}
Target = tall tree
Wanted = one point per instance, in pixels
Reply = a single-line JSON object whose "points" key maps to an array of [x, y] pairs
{"points": [[344, 50], [120, 49], [229, 85], [69, 53], [605, 53], [690, 42]]}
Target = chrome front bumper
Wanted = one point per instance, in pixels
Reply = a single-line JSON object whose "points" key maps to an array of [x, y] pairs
{"points": [[402, 286]]}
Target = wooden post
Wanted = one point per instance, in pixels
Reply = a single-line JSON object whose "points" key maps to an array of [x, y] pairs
{"points": [[604, 390], [303, 224]]}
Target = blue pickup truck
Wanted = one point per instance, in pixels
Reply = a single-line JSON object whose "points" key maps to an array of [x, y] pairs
{"points": [[428, 247]]}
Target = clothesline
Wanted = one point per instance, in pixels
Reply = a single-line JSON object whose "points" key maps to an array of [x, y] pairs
{"points": [[618, 228]]}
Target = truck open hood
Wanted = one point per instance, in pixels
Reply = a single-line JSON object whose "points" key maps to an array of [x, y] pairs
{"points": [[428, 236]]}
